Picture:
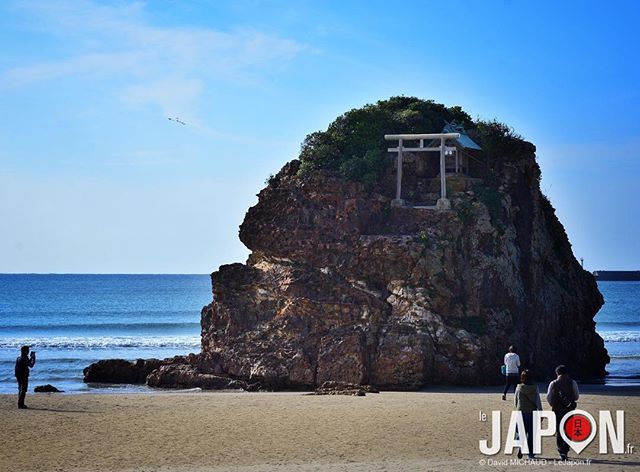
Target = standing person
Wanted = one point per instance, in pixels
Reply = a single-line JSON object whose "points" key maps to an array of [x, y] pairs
{"points": [[512, 374], [23, 364], [527, 400], [562, 395]]}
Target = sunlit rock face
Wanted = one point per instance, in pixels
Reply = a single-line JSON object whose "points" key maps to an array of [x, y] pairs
{"points": [[343, 286]]}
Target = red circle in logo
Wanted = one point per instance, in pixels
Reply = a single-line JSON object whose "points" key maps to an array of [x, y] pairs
{"points": [[577, 427]]}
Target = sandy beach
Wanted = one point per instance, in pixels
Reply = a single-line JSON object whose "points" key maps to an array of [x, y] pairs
{"points": [[198, 431]]}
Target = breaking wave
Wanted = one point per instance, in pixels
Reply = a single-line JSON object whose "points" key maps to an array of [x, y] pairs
{"points": [[146, 327], [80, 342], [620, 336]]}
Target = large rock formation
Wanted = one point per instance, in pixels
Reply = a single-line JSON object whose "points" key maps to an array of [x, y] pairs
{"points": [[342, 286]]}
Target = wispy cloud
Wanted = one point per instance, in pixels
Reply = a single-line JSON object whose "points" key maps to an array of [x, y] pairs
{"points": [[82, 65], [174, 95], [160, 65]]}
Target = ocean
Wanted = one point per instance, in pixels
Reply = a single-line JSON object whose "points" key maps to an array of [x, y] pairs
{"points": [[74, 320], [618, 322]]}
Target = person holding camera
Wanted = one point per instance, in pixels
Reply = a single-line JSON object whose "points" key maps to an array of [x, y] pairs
{"points": [[23, 364]]}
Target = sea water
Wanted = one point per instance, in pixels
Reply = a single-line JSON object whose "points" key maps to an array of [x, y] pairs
{"points": [[618, 322], [74, 320]]}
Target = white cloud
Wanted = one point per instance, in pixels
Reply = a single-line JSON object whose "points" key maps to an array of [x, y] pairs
{"points": [[174, 95], [87, 64], [164, 66]]}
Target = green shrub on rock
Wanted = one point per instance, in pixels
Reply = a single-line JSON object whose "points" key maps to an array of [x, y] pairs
{"points": [[354, 144]]}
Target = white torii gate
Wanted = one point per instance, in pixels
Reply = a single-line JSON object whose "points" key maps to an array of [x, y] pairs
{"points": [[443, 203]]}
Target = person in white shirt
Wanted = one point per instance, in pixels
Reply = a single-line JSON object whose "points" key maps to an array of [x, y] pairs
{"points": [[512, 374]]}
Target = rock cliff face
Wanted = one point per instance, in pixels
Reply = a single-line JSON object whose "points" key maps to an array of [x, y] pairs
{"points": [[342, 286]]}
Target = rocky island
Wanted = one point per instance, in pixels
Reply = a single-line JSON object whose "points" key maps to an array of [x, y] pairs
{"points": [[348, 283]]}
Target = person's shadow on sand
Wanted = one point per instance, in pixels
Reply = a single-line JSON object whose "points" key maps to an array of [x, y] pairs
{"points": [[58, 410]]}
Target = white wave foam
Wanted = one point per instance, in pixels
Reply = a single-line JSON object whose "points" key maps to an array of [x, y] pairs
{"points": [[106, 342], [620, 336]]}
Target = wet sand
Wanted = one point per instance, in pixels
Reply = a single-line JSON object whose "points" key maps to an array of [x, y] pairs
{"points": [[255, 432]]}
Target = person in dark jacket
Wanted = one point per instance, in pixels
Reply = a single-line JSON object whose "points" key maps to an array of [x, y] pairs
{"points": [[562, 395], [527, 400], [23, 364]]}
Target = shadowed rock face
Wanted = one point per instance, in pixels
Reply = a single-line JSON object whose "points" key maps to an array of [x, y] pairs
{"points": [[340, 286]]}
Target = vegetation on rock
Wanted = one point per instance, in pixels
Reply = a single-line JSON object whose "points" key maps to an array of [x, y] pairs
{"points": [[354, 145]]}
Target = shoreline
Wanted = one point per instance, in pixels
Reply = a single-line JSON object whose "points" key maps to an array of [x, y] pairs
{"points": [[133, 389], [282, 431]]}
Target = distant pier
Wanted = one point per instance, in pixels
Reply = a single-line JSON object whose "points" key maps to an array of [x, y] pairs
{"points": [[617, 274]]}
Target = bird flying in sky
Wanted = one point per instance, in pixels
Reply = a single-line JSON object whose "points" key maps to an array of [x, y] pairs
{"points": [[177, 120]]}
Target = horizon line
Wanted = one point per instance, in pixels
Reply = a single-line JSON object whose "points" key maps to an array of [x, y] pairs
{"points": [[208, 273], [101, 273]]}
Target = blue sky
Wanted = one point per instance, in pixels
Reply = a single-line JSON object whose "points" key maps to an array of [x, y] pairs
{"points": [[95, 178]]}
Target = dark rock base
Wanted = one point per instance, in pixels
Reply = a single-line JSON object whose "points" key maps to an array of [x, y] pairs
{"points": [[120, 371], [47, 389]]}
